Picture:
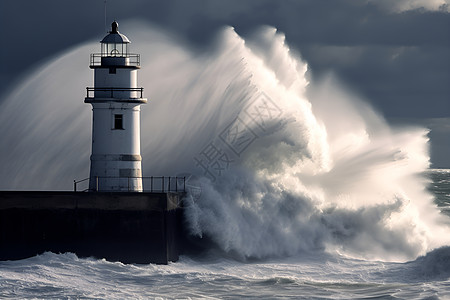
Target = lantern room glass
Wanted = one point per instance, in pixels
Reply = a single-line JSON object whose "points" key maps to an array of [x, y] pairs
{"points": [[114, 49]]}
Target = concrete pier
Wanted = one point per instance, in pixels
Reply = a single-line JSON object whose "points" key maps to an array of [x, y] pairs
{"points": [[130, 227]]}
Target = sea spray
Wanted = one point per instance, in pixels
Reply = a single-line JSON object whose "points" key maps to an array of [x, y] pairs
{"points": [[332, 176], [45, 125], [277, 166]]}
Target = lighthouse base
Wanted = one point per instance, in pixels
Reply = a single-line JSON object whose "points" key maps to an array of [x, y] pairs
{"points": [[125, 227]]}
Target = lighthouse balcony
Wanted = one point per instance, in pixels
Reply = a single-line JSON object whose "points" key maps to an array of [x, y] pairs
{"points": [[127, 60], [114, 93]]}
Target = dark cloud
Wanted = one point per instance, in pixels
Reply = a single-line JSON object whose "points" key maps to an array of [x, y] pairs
{"points": [[401, 81], [406, 5]]}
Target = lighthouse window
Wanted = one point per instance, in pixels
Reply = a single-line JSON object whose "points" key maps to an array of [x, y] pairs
{"points": [[118, 121]]}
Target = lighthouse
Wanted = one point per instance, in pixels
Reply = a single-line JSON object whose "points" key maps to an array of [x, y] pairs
{"points": [[115, 98], [118, 220]]}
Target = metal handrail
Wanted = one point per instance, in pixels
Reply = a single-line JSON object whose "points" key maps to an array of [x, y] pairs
{"points": [[134, 59], [77, 182], [165, 186], [111, 91]]}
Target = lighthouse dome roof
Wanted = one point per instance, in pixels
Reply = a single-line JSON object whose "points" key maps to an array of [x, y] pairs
{"points": [[114, 36]]}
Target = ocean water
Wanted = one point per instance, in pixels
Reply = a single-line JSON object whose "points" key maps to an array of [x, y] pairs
{"points": [[301, 188], [213, 275]]}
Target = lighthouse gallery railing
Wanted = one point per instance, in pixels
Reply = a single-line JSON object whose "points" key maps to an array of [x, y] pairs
{"points": [[133, 60], [111, 92]]}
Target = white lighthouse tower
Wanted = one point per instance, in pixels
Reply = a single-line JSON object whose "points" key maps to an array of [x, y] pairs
{"points": [[116, 100]]}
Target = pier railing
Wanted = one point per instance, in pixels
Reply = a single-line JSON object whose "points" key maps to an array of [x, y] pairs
{"points": [[152, 184]]}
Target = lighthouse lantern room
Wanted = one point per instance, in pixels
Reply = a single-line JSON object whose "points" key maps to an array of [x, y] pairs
{"points": [[115, 99]]}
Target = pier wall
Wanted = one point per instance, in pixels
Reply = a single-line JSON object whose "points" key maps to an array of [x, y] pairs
{"points": [[128, 227]]}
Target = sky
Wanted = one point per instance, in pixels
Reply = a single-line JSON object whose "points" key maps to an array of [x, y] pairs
{"points": [[394, 53]]}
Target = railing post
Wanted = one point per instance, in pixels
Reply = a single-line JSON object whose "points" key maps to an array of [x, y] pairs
{"points": [[168, 189], [128, 183], [96, 183], [74, 186], [151, 184], [163, 185]]}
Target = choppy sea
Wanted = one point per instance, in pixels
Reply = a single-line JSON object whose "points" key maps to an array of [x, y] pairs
{"points": [[215, 276]]}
